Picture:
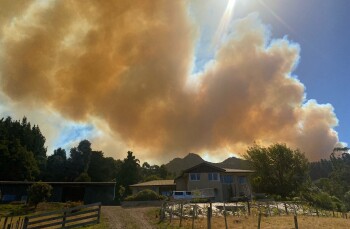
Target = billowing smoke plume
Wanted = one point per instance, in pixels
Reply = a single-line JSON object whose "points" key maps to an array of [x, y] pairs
{"points": [[128, 63]]}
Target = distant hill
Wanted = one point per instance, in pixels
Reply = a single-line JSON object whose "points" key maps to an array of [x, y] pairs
{"points": [[177, 165], [233, 163]]}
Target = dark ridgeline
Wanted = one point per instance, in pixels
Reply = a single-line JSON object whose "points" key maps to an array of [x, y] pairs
{"points": [[177, 165]]}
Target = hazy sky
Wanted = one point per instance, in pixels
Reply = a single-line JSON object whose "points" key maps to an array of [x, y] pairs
{"points": [[164, 78]]}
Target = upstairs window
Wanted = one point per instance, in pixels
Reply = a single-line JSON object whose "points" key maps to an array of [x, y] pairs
{"points": [[242, 180], [195, 176], [213, 176], [227, 179]]}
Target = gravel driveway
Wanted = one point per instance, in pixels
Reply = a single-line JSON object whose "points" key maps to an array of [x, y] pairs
{"points": [[118, 217]]}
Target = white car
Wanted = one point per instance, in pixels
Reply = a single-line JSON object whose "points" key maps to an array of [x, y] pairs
{"points": [[182, 195]]}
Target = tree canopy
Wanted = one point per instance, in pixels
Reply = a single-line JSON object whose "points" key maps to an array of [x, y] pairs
{"points": [[22, 150], [279, 170], [129, 173]]}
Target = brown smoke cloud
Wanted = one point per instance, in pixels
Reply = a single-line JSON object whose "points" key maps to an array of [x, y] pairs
{"points": [[128, 63]]}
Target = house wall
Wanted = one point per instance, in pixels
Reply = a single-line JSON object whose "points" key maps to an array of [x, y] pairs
{"points": [[224, 192], [236, 189], [181, 183], [203, 183]]}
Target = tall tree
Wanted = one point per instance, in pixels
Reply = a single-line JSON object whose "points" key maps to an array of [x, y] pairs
{"points": [[320, 169], [153, 172], [23, 142], [16, 163], [103, 168], [281, 170], [129, 173], [56, 168], [340, 176], [79, 161]]}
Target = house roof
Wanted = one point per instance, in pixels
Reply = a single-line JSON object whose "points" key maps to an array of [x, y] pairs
{"points": [[155, 183], [205, 164], [238, 171]]}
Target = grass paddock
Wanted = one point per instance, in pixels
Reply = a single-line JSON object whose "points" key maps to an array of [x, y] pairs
{"points": [[273, 222]]}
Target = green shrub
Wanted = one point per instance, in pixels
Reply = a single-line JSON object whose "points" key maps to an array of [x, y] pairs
{"points": [[39, 192], [200, 200], [83, 177], [72, 204], [144, 195], [320, 199]]}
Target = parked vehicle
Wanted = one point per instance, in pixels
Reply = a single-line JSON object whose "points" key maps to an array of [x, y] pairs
{"points": [[182, 195]]}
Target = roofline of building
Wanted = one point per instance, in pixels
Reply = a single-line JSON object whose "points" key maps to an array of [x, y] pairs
{"points": [[58, 182], [154, 185], [204, 163]]}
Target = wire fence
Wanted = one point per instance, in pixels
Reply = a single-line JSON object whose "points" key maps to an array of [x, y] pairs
{"points": [[193, 212]]}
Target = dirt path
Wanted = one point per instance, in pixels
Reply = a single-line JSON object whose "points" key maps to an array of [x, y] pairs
{"points": [[118, 217]]}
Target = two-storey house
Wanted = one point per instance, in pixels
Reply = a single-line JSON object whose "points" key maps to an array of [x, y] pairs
{"points": [[217, 183]]}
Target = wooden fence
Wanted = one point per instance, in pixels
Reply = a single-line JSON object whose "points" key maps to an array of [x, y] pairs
{"points": [[66, 218], [191, 211], [10, 222]]}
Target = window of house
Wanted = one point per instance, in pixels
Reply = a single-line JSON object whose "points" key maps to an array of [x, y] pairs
{"points": [[242, 180], [213, 176], [195, 176], [226, 179]]}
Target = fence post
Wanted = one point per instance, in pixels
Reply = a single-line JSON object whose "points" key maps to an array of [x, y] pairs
{"points": [[21, 224], [248, 207], [259, 220], [193, 215], [181, 211], [99, 214], [278, 210], [25, 223], [285, 207], [209, 215], [296, 222], [5, 222], [64, 219], [17, 223], [225, 216]]}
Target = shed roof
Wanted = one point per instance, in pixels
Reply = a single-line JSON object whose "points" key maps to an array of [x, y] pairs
{"points": [[155, 183], [56, 183]]}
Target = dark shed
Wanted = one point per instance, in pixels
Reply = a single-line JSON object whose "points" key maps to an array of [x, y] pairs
{"points": [[87, 192]]}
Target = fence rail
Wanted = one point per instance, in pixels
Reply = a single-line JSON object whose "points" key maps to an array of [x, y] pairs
{"points": [[67, 218], [179, 210]]}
